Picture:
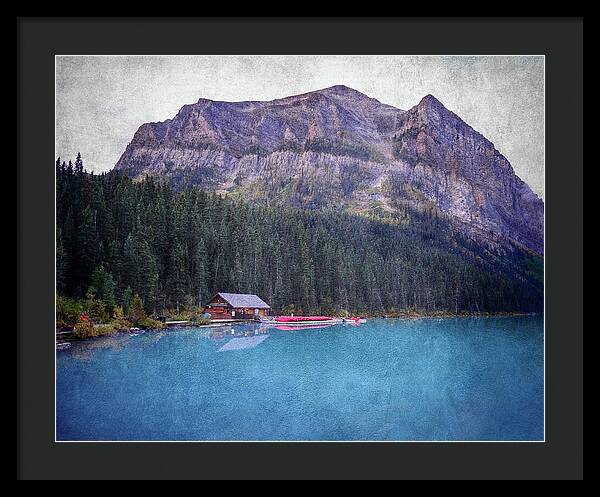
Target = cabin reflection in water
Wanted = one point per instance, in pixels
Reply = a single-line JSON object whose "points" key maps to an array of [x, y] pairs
{"points": [[241, 338], [237, 331], [241, 343]]}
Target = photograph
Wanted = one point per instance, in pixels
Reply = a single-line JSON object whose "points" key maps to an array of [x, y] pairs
{"points": [[299, 248]]}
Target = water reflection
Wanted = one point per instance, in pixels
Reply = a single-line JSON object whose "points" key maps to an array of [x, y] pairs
{"points": [[86, 349], [303, 327], [243, 330], [246, 342], [242, 337]]}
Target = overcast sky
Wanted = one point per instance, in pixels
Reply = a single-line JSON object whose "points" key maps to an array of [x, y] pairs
{"points": [[101, 101]]}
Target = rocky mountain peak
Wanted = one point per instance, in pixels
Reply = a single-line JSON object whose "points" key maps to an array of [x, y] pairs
{"points": [[430, 101], [338, 146]]}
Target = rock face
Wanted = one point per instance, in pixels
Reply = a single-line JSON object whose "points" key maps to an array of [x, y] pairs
{"points": [[338, 147]]}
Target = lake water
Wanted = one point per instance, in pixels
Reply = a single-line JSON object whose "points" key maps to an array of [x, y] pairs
{"points": [[387, 379]]}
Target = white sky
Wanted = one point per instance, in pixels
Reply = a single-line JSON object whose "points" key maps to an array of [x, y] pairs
{"points": [[101, 101]]}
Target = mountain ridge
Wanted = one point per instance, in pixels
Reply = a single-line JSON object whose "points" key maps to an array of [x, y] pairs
{"points": [[339, 147]]}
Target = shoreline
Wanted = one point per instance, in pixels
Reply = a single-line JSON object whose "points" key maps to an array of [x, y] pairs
{"points": [[445, 314], [65, 336]]}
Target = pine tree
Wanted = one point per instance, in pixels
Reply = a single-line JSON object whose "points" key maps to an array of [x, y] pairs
{"points": [[129, 270], [103, 282], [90, 245], [79, 164], [308, 277], [127, 300], [137, 312], [62, 263], [200, 273], [178, 277]]}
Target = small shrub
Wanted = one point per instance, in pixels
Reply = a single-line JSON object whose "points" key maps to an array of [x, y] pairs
{"points": [[137, 310], [182, 315], [201, 320], [84, 329], [105, 329], [119, 322], [198, 316], [288, 309], [343, 313], [95, 308], [149, 323], [67, 311]]}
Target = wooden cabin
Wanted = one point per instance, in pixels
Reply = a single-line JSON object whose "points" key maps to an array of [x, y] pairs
{"points": [[236, 306]]}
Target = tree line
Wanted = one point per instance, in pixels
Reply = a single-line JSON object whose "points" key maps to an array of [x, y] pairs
{"points": [[117, 238]]}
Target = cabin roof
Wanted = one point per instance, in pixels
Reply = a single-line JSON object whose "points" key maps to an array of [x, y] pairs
{"points": [[244, 300]]}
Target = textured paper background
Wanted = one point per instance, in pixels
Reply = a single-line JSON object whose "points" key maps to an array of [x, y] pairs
{"points": [[101, 101]]}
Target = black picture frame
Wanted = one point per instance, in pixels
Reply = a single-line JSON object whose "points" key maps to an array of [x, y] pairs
{"points": [[559, 457]]}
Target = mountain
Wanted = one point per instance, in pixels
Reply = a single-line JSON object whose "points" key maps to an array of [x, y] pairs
{"points": [[339, 148]]}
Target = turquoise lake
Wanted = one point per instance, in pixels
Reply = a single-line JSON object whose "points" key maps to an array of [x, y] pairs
{"points": [[388, 379]]}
